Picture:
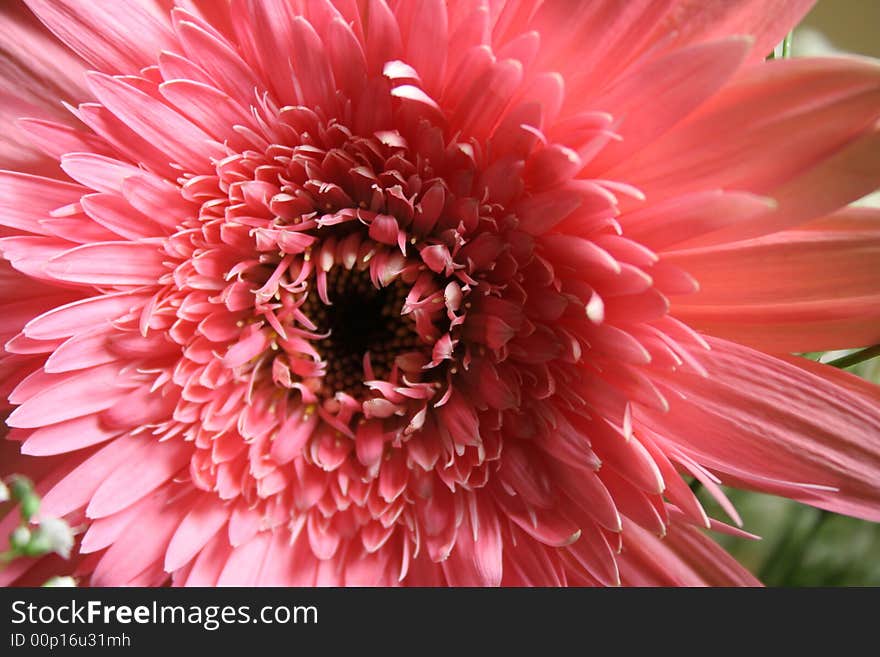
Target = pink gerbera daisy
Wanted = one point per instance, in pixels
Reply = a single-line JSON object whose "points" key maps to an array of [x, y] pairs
{"points": [[429, 293]]}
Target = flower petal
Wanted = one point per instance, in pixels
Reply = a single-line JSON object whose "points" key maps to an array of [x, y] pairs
{"points": [[674, 85], [698, 20], [199, 526], [35, 72], [725, 143], [109, 263], [101, 32], [25, 200], [182, 142], [816, 288], [684, 557], [67, 436], [477, 561], [141, 545], [84, 314], [152, 465], [777, 428], [73, 396]]}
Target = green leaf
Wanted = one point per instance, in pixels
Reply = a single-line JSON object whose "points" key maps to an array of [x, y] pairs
{"points": [[856, 357]]}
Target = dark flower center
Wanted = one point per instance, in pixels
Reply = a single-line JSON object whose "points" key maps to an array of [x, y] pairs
{"points": [[361, 320]]}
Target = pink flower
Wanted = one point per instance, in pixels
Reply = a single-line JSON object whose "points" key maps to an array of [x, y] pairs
{"points": [[337, 293]]}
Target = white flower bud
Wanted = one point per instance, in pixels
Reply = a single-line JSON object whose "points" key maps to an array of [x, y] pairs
{"points": [[60, 581], [19, 538], [59, 535]]}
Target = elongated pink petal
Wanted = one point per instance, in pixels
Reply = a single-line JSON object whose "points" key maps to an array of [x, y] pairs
{"points": [[477, 562], [807, 264], [273, 22], [314, 77], [795, 327], [592, 552], [67, 436], [156, 199], [100, 32], [425, 37], [109, 263], [84, 314], [140, 546], [56, 139], [207, 566], [35, 72], [113, 213], [243, 525], [107, 530], [25, 200], [599, 40], [183, 142], [219, 59], [101, 173], [245, 562], [722, 146], [15, 314], [851, 173], [153, 466], [800, 290], [697, 20], [125, 139], [816, 440], [211, 109], [685, 557], [70, 398], [679, 219], [75, 489], [199, 526], [678, 83]]}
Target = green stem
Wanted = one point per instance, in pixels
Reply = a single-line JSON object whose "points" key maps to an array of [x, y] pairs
{"points": [[786, 48], [786, 45], [856, 357], [773, 561], [796, 559]]}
